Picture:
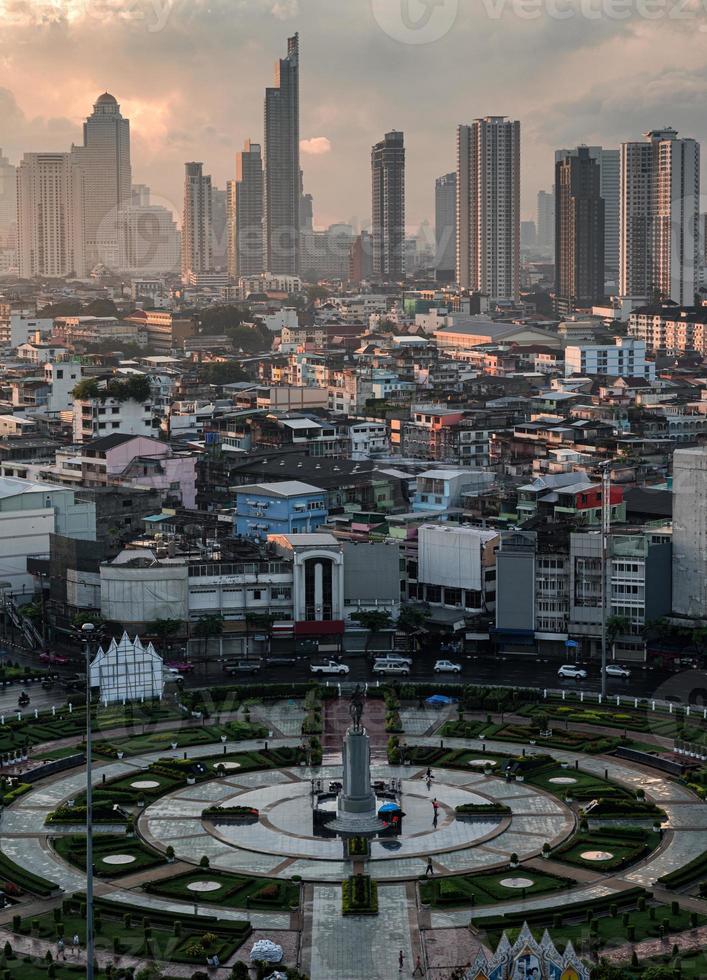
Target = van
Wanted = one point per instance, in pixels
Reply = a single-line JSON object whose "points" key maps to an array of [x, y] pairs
{"points": [[393, 658], [391, 667]]}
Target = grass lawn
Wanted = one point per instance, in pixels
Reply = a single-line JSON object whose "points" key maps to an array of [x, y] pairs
{"points": [[486, 889], [234, 891], [54, 754], [159, 741], [173, 938], [72, 848], [19, 968], [586, 787], [626, 846], [611, 930]]}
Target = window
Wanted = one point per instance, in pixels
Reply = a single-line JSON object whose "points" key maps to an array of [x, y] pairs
{"points": [[59, 374], [257, 594]]}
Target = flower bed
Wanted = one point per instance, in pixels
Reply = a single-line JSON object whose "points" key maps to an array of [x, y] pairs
{"points": [[359, 896]]}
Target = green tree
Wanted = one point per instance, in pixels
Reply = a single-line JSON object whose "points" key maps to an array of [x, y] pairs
{"points": [[207, 627], [88, 617], [412, 620], [220, 319], [373, 620], [222, 373], [164, 630], [252, 339]]}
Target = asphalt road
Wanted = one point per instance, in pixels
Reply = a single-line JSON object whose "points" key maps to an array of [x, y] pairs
{"points": [[687, 686]]}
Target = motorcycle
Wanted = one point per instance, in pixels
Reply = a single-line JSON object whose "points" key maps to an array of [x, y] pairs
{"points": [[23, 700]]}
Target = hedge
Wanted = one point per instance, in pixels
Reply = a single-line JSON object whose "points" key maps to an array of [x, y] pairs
{"points": [[687, 874], [25, 879]]}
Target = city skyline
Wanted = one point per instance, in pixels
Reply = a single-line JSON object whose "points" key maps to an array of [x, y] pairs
{"points": [[344, 103]]}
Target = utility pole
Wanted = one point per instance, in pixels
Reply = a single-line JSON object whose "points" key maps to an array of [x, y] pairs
{"points": [[87, 630], [605, 590]]}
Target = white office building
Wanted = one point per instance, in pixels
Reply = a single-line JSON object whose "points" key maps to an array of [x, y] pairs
{"points": [[660, 197], [624, 359], [690, 532], [488, 207], [197, 237]]}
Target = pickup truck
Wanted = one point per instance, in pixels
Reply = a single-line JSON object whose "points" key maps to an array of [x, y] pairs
{"points": [[242, 666], [329, 667]]}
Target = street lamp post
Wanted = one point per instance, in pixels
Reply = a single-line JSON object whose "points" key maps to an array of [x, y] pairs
{"points": [[87, 630], [605, 590]]}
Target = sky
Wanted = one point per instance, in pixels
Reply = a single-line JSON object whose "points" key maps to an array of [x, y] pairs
{"points": [[190, 76]]}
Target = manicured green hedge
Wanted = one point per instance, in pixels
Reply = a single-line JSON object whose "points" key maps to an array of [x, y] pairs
{"points": [[9, 871], [359, 896], [697, 868], [482, 810]]}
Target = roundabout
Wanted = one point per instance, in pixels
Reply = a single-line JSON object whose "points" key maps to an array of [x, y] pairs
{"points": [[282, 840], [223, 834]]}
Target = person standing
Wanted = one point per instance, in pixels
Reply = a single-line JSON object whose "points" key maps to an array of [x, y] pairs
{"points": [[429, 870], [76, 944], [401, 960], [61, 949]]}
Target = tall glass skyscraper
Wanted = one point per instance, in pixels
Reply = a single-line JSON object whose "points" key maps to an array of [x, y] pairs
{"points": [[282, 170]]}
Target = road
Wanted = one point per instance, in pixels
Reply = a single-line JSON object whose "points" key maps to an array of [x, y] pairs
{"points": [[645, 682]]}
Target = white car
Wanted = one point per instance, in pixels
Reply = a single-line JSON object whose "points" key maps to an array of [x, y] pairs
{"points": [[447, 667], [329, 667], [391, 667], [616, 670], [570, 670]]}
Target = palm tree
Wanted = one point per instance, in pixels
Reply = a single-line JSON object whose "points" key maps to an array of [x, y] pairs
{"points": [[208, 626], [616, 626], [411, 620], [373, 620], [262, 622]]}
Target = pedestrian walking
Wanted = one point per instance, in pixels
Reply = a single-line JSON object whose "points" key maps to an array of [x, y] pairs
{"points": [[428, 774], [401, 960], [61, 949], [76, 944], [418, 971], [429, 870], [428, 783]]}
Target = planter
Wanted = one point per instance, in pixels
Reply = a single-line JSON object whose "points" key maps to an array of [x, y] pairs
{"points": [[120, 754], [173, 745], [191, 780]]}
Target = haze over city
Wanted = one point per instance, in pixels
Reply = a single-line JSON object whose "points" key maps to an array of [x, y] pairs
{"points": [[190, 77]]}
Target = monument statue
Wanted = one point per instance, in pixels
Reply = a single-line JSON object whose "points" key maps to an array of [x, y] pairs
{"points": [[356, 708]]}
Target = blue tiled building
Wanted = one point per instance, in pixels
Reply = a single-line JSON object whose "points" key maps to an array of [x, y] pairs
{"points": [[289, 507]]}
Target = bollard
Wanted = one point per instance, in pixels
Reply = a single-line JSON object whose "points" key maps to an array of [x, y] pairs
{"points": [[606, 774], [103, 777], [224, 750], [441, 743], [185, 756], [266, 746], [576, 763]]}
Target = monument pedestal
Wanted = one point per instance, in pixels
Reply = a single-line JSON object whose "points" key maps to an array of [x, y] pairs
{"points": [[356, 806]]}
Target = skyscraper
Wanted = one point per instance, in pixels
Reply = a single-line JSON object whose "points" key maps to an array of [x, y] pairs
{"points": [[50, 216], [546, 220], [8, 199], [219, 225], [488, 207], [446, 226], [149, 236], [388, 206], [245, 214], [104, 159], [579, 231], [609, 178], [282, 170], [660, 193], [197, 242]]}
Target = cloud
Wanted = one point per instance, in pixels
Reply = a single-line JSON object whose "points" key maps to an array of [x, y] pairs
{"points": [[285, 9], [316, 146]]}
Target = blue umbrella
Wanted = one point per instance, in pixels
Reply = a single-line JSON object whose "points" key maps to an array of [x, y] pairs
{"points": [[388, 808]]}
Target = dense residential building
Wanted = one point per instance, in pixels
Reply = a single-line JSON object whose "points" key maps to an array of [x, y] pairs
{"points": [[609, 164], [50, 216], [104, 161], [446, 226], [579, 231], [488, 207], [388, 206], [282, 167], [8, 200], [197, 239], [245, 214], [660, 194], [670, 329]]}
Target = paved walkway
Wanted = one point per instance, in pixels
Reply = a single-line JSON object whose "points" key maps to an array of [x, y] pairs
{"points": [[358, 946]]}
